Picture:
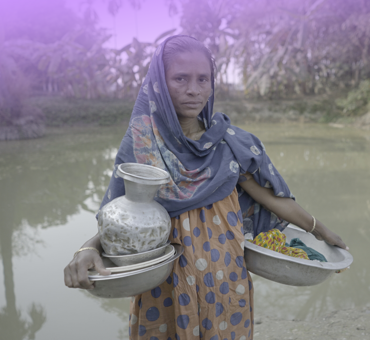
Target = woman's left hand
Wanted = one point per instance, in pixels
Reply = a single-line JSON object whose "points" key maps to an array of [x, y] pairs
{"points": [[323, 233]]}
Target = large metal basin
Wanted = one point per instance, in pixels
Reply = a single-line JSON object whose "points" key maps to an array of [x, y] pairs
{"points": [[294, 271], [135, 282]]}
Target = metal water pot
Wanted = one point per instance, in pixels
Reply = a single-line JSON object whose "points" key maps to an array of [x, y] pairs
{"points": [[135, 222]]}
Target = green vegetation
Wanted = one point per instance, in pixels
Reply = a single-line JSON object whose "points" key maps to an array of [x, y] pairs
{"points": [[307, 58], [59, 111], [358, 100]]}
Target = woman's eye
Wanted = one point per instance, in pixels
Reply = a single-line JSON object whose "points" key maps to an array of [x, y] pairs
{"points": [[180, 79]]}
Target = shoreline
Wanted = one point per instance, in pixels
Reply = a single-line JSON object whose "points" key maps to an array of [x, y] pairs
{"points": [[346, 324]]}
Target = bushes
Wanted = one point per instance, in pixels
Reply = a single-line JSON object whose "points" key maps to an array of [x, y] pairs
{"points": [[18, 119], [61, 111], [358, 100]]}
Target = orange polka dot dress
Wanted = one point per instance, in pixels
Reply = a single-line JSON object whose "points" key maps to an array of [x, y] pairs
{"points": [[209, 294]]}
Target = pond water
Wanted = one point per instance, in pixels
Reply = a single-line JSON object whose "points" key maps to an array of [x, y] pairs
{"points": [[50, 189]]}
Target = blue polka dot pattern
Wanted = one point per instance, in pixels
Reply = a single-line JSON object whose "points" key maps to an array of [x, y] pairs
{"points": [[183, 321], [230, 235], [249, 333], [152, 314], [156, 292], [233, 276], [129, 331], [175, 280], [209, 206], [227, 259], [224, 288], [142, 330], [239, 261], [215, 255], [244, 273], [205, 285], [208, 280], [219, 309], [207, 324], [202, 216], [206, 246], [232, 219], [184, 299], [211, 298], [187, 241], [183, 261], [222, 239], [240, 216], [167, 302]]}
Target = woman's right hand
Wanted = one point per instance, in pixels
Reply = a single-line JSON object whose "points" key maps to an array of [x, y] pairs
{"points": [[76, 272]]}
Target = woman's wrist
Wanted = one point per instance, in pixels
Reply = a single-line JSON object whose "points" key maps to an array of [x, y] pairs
{"points": [[94, 242]]}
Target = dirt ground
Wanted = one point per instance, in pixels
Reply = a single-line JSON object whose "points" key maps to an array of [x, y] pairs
{"points": [[348, 324]]}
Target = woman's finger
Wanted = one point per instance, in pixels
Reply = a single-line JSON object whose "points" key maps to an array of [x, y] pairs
{"points": [[99, 266], [67, 277], [83, 279]]}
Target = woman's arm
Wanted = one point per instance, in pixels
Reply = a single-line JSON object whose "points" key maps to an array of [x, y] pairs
{"points": [[76, 273], [289, 210]]}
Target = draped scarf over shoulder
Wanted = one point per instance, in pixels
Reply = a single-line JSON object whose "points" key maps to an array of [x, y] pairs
{"points": [[203, 171]]}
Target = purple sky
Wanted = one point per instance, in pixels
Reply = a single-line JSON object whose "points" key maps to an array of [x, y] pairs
{"points": [[146, 24]]}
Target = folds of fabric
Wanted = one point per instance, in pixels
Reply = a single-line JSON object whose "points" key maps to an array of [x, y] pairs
{"points": [[203, 171]]}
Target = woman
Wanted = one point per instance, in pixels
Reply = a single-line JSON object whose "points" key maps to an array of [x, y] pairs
{"points": [[223, 186]]}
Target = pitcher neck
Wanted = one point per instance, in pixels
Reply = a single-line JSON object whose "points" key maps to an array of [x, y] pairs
{"points": [[137, 192]]}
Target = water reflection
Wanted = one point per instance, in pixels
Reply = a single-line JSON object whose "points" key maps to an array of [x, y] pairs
{"points": [[58, 182], [119, 307], [42, 184], [330, 177]]}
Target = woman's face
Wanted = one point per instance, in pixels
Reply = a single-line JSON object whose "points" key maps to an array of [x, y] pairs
{"points": [[189, 82]]}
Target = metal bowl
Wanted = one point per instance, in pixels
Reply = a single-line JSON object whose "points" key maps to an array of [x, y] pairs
{"points": [[295, 271], [126, 260], [134, 282]]}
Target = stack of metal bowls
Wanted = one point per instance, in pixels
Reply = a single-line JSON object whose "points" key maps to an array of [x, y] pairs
{"points": [[129, 259], [134, 282]]}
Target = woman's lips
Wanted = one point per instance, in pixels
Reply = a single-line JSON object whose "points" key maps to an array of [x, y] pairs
{"points": [[192, 104]]}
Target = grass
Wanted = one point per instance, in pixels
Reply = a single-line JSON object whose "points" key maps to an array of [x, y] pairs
{"points": [[60, 111]]}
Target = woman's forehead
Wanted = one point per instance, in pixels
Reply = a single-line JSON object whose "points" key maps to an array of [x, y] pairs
{"points": [[193, 61]]}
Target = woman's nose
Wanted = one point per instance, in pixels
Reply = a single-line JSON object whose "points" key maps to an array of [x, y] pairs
{"points": [[193, 88]]}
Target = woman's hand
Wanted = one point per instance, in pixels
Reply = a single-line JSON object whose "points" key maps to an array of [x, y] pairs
{"points": [[76, 272], [323, 233]]}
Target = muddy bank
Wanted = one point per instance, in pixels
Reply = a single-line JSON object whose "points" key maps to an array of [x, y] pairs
{"points": [[347, 324]]}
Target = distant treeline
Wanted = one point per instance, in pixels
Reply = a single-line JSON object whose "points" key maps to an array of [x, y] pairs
{"points": [[277, 49]]}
